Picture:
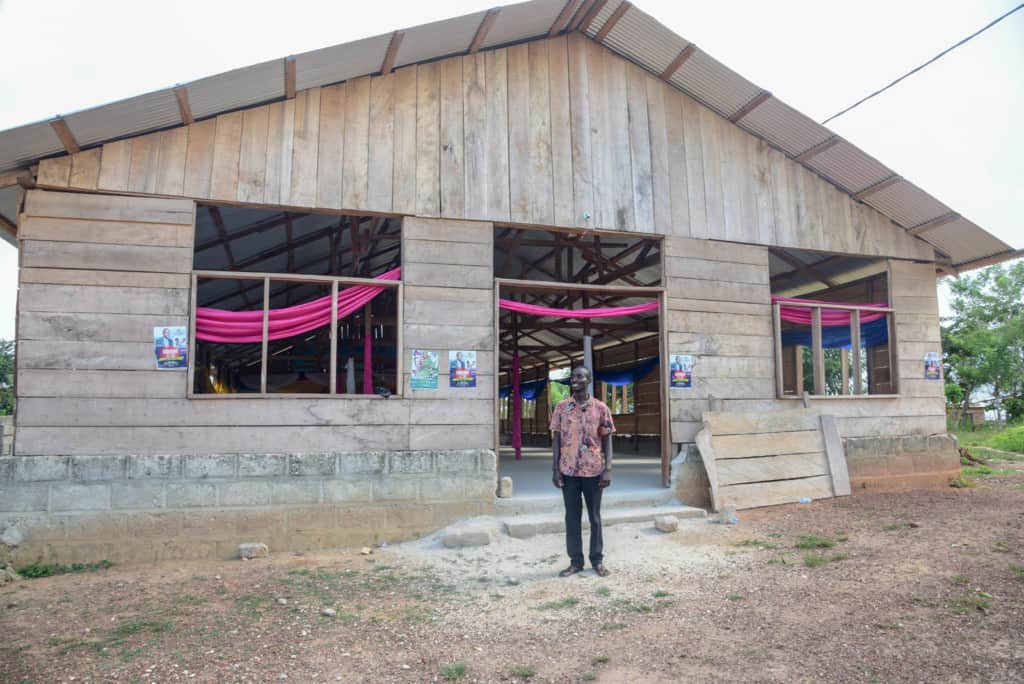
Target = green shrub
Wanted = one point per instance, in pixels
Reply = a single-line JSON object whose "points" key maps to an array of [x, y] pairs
{"points": [[1010, 440]]}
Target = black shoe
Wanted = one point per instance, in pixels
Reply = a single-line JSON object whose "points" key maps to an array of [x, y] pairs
{"points": [[601, 570], [571, 570]]}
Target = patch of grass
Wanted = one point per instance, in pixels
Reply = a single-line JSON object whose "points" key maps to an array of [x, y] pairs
{"points": [[567, 602], [126, 629], [661, 593], [49, 569], [962, 580], [778, 560], [757, 543], [188, 600], [923, 602], [967, 603], [588, 676], [813, 541], [736, 597], [453, 671], [961, 483], [896, 526], [814, 560], [603, 591], [253, 604], [1000, 547], [1017, 570], [600, 660], [613, 626], [199, 578], [1018, 488], [1010, 440], [974, 471], [524, 671]]}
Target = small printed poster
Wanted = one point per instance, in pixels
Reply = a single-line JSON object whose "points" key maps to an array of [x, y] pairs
{"points": [[680, 371], [932, 366], [170, 346], [424, 369], [462, 369]]}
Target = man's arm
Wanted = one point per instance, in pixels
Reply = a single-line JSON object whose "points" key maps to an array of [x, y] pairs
{"points": [[606, 451], [556, 457]]}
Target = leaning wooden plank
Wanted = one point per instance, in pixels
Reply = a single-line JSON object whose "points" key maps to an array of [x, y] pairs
{"points": [[99, 256], [115, 164], [55, 172], [252, 158], [68, 276], [732, 471], [85, 169], [111, 232], [735, 423], [707, 455], [304, 143], [765, 444], [836, 456], [199, 158], [107, 207], [760, 494]]}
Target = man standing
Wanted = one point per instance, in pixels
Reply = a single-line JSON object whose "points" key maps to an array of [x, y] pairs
{"points": [[582, 466]]}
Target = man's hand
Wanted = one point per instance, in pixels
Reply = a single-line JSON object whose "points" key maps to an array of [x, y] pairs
{"points": [[606, 478], [556, 479]]}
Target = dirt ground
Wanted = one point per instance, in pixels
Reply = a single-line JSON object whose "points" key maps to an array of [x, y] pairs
{"points": [[919, 586]]}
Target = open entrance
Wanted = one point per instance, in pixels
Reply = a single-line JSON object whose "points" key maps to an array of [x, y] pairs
{"points": [[569, 299]]}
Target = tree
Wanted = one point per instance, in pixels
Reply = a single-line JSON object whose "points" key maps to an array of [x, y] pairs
{"points": [[983, 342], [6, 377]]}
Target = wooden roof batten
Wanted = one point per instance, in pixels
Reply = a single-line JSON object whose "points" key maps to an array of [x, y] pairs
{"points": [[483, 29]]}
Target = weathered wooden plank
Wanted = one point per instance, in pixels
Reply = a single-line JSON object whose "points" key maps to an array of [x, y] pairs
{"points": [[34, 325], [330, 146], [446, 294], [705, 269], [580, 134], [540, 181], [280, 136], [115, 165], [171, 156], [733, 422], [836, 456], [67, 276], [715, 367], [892, 426], [112, 232], [716, 306], [496, 158], [695, 180], [733, 471], [380, 176], [199, 158], [784, 210], [619, 139], [709, 289], [76, 441], [448, 231], [519, 132], [99, 256], [714, 250], [60, 354], [305, 138], [668, 174], [759, 494], [601, 134], [143, 166], [710, 128], [86, 383], [227, 146], [561, 137], [434, 311], [918, 305], [709, 459], [419, 336], [428, 150], [436, 252], [86, 299], [479, 277], [452, 163], [767, 444], [55, 172], [640, 149], [452, 411], [718, 344], [404, 182], [719, 323], [153, 412], [763, 191], [252, 157], [474, 131], [107, 207], [85, 169], [357, 144]]}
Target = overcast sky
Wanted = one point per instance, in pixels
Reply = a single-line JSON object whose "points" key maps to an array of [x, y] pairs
{"points": [[954, 129]]}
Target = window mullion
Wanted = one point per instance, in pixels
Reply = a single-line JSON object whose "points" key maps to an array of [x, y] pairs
{"points": [[858, 383], [334, 338], [266, 327], [817, 353]]}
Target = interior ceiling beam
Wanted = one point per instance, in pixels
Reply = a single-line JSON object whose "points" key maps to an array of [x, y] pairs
{"points": [[289, 78], [607, 27], [64, 134], [934, 223], [876, 187], [679, 61], [218, 222], [562, 19], [184, 107], [486, 24], [800, 266], [258, 227], [815, 150], [392, 52], [751, 105]]}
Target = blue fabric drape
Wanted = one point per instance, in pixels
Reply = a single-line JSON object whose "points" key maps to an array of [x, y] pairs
{"points": [[623, 376], [527, 390], [871, 335]]}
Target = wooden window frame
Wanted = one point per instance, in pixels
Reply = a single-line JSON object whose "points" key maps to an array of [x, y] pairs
{"points": [[818, 352], [335, 282]]}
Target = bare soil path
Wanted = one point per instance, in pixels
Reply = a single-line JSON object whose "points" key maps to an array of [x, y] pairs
{"points": [[919, 586]]}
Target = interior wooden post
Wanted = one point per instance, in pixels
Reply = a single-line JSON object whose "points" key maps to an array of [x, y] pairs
{"points": [[266, 327], [817, 353], [780, 381], [334, 340], [858, 383], [798, 366], [844, 362]]}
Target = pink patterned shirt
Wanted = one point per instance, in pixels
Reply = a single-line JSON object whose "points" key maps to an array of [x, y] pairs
{"points": [[582, 426]]}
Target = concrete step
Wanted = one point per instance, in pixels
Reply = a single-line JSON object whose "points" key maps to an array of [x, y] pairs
{"points": [[526, 526], [552, 503]]}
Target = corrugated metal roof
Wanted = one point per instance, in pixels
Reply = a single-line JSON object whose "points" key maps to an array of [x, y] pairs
{"points": [[637, 36]]}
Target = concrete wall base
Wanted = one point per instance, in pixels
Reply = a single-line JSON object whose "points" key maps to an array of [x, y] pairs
{"points": [[908, 462]]}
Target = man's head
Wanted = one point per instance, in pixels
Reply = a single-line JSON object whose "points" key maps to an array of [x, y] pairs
{"points": [[679, 360], [167, 333], [579, 379], [458, 355]]}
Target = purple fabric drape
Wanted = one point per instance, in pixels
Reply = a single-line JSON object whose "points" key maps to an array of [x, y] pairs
{"points": [[517, 409], [829, 317], [236, 327], [608, 312]]}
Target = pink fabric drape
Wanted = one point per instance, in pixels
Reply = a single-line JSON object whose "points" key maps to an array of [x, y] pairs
{"points": [[607, 312], [368, 360], [517, 409], [829, 317], [236, 327]]}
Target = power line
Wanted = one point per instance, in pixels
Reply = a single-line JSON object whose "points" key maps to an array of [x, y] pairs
{"points": [[936, 57]]}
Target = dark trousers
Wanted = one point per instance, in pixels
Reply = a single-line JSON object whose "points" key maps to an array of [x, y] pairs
{"points": [[591, 493]]}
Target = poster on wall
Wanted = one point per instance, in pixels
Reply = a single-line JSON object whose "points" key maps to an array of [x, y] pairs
{"points": [[170, 346], [680, 371], [424, 369], [462, 369], [932, 366]]}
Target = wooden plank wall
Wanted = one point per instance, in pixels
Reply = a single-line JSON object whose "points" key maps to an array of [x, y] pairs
{"points": [[99, 272], [540, 133]]}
